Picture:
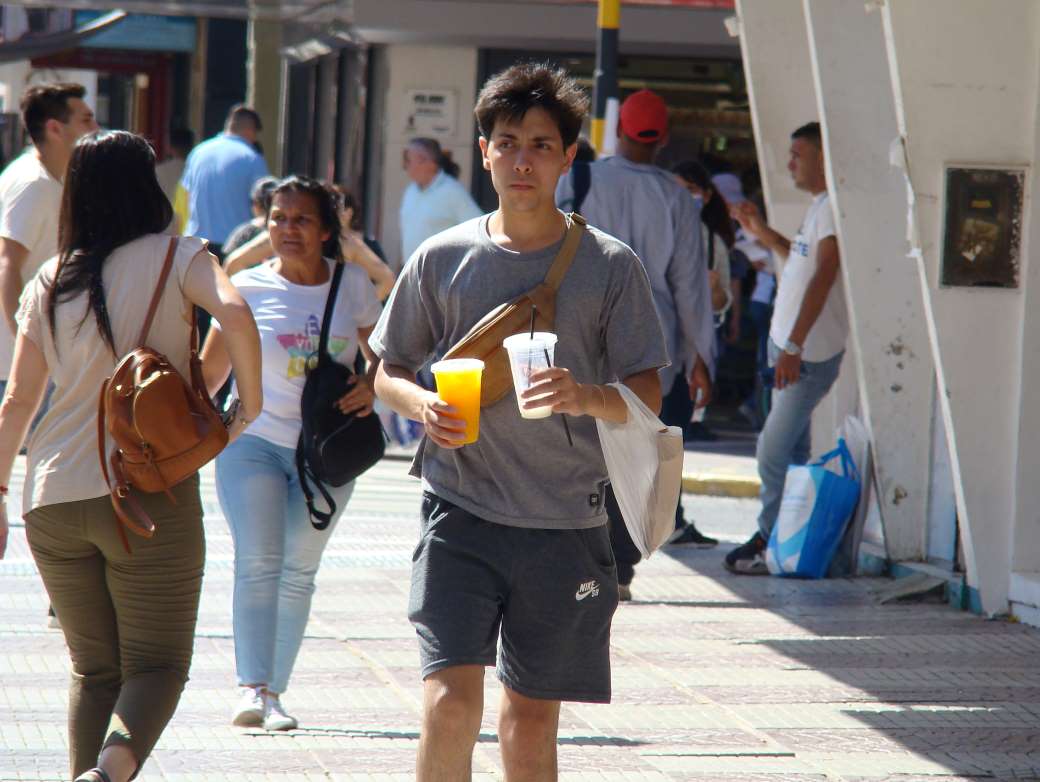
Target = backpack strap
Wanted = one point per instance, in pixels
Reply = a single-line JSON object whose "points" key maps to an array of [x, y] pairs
{"points": [[320, 520], [160, 286], [564, 258], [330, 305]]}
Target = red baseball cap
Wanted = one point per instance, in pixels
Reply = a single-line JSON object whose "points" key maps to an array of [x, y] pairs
{"points": [[644, 117]]}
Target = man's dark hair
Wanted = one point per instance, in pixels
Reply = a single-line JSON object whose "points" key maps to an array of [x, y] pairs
{"points": [[241, 116], [509, 95], [810, 131], [42, 102], [182, 140]]}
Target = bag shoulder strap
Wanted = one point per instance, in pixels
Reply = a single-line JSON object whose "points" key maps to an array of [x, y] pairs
{"points": [[160, 286], [330, 305], [564, 258], [711, 249]]}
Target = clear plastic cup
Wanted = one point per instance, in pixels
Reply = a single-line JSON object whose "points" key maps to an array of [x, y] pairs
{"points": [[458, 384], [527, 354]]}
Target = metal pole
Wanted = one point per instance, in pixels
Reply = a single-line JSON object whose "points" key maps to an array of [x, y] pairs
{"points": [[608, 22]]}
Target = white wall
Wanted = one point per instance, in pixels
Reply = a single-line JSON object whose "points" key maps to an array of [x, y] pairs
{"points": [[422, 67], [889, 347], [965, 81]]}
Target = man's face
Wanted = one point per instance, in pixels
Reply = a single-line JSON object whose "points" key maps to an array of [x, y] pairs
{"points": [[526, 159], [81, 122], [805, 163]]}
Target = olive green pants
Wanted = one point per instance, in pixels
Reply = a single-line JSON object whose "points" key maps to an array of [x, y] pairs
{"points": [[128, 619]]}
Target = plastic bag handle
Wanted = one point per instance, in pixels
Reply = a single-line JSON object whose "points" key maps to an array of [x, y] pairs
{"points": [[848, 464]]}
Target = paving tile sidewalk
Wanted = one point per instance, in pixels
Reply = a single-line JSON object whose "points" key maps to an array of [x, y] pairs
{"points": [[716, 677]]}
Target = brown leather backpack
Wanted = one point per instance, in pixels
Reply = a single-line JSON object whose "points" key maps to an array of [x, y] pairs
{"points": [[164, 430], [484, 340]]}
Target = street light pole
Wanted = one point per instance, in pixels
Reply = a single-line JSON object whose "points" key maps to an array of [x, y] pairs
{"points": [[605, 99]]}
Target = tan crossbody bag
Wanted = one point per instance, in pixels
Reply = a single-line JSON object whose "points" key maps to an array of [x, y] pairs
{"points": [[484, 340]]}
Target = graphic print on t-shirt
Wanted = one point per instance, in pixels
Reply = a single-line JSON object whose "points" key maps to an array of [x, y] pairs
{"points": [[302, 344]]}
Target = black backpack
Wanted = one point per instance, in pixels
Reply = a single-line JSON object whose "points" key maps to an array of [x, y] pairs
{"points": [[334, 448]]}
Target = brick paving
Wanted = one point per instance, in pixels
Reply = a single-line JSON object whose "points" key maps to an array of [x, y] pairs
{"points": [[715, 677]]}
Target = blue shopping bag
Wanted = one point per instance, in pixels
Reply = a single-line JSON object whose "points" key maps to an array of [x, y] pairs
{"points": [[815, 509]]}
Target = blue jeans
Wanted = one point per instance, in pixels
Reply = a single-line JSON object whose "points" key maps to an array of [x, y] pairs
{"points": [[784, 439], [277, 553]]}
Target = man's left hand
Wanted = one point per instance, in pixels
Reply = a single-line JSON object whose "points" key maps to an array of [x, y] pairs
{"points": [[557, 387], [700, 380], [787, 370]]}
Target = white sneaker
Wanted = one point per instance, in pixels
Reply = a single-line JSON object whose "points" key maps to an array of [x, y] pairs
{"points": [[277, 718], [251, 708]]}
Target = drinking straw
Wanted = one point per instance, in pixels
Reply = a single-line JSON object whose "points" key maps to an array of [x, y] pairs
{"points": [[563, 416]]}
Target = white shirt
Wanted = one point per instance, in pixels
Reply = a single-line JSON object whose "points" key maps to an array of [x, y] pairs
{"points": [[827, 336], [427, 211], [288, 317], [30, 202]]}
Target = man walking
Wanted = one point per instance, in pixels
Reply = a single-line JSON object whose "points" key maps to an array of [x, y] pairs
{"points": [[646, 208], [806, 338], [213, 198], [514, 552], [55, 116]]}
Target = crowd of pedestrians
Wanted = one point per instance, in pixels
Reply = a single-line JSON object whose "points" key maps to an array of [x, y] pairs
{"points": [[520, 574]]}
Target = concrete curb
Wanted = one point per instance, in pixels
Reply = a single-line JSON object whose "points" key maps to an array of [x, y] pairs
{"points": [[721, 485]]}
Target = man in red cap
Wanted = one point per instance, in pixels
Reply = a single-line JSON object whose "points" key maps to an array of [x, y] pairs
{"points": [[645, 207]]}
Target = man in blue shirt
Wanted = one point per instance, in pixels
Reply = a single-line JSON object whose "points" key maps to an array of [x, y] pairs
{"points": [[218, 177]]}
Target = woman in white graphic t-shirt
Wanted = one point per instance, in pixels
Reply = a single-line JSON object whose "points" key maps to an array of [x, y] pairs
{"points": [[277, 551]]}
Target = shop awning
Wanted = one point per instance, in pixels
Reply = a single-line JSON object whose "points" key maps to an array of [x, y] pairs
{"points": [[42, 45]]}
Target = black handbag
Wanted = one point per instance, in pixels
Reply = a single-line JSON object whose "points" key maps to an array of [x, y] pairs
{"points": [[334, 447]]}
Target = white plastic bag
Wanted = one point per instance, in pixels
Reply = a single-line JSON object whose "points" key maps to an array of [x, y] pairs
{"points": [[644, 460]]}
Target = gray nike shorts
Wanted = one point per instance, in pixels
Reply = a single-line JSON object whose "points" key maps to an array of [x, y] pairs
{"points": [[549, 594]]}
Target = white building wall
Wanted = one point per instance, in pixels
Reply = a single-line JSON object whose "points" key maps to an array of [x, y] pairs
{"points": [[889, 347], [966, 92], [416, 67]]}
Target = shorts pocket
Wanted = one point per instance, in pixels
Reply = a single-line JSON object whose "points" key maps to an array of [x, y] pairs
{"points": [[596, 542]]}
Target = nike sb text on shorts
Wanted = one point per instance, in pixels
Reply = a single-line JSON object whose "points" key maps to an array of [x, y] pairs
{"points": [[550, 593]]}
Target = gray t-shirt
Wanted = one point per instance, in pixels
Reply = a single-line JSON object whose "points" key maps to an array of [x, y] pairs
{"points": [[522, 472]]}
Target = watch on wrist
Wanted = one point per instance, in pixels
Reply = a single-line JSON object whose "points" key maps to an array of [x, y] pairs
{"points": [[792, 348]]}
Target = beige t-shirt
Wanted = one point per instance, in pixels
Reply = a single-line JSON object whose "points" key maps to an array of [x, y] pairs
{"points": [[63, 463]]}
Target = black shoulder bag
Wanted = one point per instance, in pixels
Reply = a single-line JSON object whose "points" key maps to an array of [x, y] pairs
{"points": [[334, 448]]}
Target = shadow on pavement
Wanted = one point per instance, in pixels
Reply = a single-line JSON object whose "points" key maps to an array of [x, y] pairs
{"points": [[861, 688]]}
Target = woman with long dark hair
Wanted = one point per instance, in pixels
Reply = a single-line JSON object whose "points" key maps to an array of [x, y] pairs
{"points": [[717, 234], [128, 618], [277, 551]]}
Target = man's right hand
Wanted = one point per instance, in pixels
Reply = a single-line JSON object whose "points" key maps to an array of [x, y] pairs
{"points": [[750, 219], [443, 424]]}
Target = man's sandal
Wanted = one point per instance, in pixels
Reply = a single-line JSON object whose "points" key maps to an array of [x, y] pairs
{"points": [[94, 775]]}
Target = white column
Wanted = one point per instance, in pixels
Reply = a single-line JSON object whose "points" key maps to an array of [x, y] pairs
{"points": [[892, 354], [977, 109], [775, 50]]}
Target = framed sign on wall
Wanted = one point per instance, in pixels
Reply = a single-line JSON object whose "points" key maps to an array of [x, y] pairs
{"points": [[982, 237], [430, 113]]}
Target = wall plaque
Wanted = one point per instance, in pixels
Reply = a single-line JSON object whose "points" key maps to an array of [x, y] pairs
{"points": [[983, 229]]}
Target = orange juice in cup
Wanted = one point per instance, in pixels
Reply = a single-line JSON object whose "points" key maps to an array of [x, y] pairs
{"points": [[458, 384]]}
